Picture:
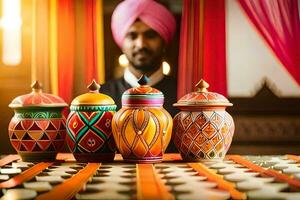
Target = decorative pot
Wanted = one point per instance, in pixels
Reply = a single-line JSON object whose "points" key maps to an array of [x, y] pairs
{"points": [[142, 128], [89, 126], [203, 130], [37, 130]]}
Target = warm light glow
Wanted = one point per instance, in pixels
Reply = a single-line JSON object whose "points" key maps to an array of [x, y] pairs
{"points": [[11, 23], [166, 68], [123, 61]]}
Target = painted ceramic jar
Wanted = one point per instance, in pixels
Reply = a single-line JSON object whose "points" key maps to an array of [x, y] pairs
{"points": [[203, 130], [142, 128], [37, 130], [89, 126]]}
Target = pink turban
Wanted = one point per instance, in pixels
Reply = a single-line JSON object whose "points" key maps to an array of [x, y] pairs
{"points": [[150, 12]]}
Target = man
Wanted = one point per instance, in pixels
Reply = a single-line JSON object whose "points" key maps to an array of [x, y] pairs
{"points": [[142, 29]]}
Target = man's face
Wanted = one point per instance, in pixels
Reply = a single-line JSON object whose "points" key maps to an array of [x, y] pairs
{"points": [[143, 47]]}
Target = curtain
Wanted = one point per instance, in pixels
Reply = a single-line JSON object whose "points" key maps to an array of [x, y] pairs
{"points": [[94, 41], [202, 51], [65, 48], [278, 23], [54, 45], [39, 48], [190, 46], [90, 41], [214, 50]]}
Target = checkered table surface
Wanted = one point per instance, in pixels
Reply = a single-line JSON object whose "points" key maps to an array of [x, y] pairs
{"points": [[237, 177]]}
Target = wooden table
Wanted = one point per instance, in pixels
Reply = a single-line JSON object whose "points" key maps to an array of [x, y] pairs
{"points": [[237, 177]]}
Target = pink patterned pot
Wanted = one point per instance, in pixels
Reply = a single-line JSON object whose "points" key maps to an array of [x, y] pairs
{"points": [[37, 131], [203, 130]]}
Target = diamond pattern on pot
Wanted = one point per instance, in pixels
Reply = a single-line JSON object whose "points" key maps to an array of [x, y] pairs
{"points": [[90, 142], [186, 122], [195, 149], [144, 126], [200, 139], [103, 124], [217, 119], [193, 130], [201, 120], [75, 124], [209, 130]]}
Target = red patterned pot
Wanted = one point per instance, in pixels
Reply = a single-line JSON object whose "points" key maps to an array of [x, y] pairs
{"points": [[142, 127], [203, 130], [89, 126], [37, 130]]}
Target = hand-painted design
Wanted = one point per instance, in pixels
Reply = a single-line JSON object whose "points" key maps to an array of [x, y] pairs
{"points": [[203, 135], [140, 120], [93, 108], [141, 134], [90, 142], [41, 99], [203, 97], [90, 132], [38, 115], [37, 136]]}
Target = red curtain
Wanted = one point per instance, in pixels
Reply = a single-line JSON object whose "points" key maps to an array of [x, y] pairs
{"points": [[90, 41], [214, 50], [202, 46], [65, 48], [190, 46], [278, 23]]}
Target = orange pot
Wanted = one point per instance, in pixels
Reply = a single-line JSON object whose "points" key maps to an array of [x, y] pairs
{"points": [[142, 128]]}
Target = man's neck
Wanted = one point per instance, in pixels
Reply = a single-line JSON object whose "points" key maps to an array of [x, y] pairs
{"points": [[154, 78]]}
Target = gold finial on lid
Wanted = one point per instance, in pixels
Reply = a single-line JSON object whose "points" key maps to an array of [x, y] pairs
{"points": [[36, 86], [202, 86], [94, 86]]}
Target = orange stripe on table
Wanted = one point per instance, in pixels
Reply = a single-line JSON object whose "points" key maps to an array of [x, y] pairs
{"points": [[265, 172], [69, 188], [65, 157], [149, 184], [26, 175], [222, 184], [172, 157], [8, 159], [293, 157]]}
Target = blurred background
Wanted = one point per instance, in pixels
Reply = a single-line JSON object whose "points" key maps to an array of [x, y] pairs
{"points": [[65, 44]]}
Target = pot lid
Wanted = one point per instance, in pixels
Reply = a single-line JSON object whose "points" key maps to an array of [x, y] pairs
{"points": [[93, 97], [143, 95], [202, 97], [37, 99]]}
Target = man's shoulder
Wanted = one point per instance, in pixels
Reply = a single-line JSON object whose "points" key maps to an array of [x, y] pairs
{"points": [[113, 82], [115, 87], [167, 81]]}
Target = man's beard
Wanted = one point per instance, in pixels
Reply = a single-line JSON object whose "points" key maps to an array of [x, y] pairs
{"points": [[146, 66], [149, 65]]}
